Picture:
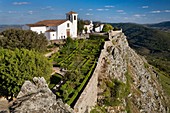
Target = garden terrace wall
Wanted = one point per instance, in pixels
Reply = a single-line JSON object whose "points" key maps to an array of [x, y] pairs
{"points": [[88, 98]]}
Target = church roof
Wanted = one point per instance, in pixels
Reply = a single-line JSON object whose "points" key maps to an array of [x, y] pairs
{"points": [[50, 30], [47, 23], [71, 12]]}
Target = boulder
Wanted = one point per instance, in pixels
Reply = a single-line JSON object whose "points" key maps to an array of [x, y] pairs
{"points": [[38, 98]]}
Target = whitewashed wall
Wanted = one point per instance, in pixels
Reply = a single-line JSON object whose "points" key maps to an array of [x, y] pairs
{"points": [[61, 30], [39, 29]]}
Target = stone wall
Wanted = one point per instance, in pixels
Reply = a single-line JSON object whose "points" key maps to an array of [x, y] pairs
{"points": [[88, 98]]}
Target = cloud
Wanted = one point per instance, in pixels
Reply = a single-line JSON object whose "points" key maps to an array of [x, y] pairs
{"points": [[48, 8], [80, 9], [109, 6], [167, 11], [12, 12], [155, 11], [123, 13], [20, 3], [145, 7], [89, 14], [139, 15], [102, 9], [163, 11], [120, 11], [30, 12], [90, 9]]}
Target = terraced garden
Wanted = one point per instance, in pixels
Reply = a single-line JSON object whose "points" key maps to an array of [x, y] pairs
{"points": [[79, 58]]}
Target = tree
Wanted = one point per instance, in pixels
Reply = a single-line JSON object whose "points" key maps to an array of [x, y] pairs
{"points": [[85, 29], [17, 38], [107, 27], [80, 26], [20, 65]]}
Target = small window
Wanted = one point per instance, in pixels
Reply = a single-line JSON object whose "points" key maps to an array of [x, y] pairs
{"points": [[64, 37], [40, 32], [69, 17], [53, 34], [68, 25], [74, 17], [61, 37]]}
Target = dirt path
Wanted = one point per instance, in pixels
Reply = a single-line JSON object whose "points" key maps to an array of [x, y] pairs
{"points": [[52, 52]]}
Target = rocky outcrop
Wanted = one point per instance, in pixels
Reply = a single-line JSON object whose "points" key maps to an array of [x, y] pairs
{"points": [[120, 62], [37, 98]]}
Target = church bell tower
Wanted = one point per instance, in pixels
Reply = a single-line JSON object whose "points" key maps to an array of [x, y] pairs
{"points": [[72, 16]]}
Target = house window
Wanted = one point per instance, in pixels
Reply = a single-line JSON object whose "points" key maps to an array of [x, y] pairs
{"points": [[74, 17], [40, 32], [68, 25], [61, 37], [64, 37], [53, 34]]}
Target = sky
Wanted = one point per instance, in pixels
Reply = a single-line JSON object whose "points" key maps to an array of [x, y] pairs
{"points": [[114, 11]]}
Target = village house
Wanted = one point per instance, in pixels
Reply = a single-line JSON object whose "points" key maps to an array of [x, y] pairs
{"points": [[88, 27], [99, 28], [56, 29]]}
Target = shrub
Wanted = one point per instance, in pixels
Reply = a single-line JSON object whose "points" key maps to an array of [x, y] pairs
{"points": [[16, 38], [20, 65], [107, 27]]}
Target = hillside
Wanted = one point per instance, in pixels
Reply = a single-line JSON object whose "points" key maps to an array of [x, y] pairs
{"points": [[154, 44], [4, 27], [160, 25], [126, 82], [123, 81]]}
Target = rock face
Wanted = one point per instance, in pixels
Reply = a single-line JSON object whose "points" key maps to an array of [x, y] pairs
{"points": [[38, 98], [123, 64]]}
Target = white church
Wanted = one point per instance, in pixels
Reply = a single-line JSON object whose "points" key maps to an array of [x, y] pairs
{"points": [[56, 29]]}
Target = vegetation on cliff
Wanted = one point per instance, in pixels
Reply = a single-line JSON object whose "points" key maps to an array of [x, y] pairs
{"points": [[154, 45], [107, 27]]}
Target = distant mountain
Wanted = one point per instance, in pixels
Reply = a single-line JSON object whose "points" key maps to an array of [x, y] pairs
{"points": [[163, 26], [4, 27], [160, 25], [152, 43]]}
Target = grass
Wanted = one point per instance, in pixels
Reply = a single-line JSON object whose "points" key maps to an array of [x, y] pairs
{"points": [[98, 109], [165, 82]]}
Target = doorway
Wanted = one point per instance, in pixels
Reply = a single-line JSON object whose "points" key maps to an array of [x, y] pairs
{"points": [[68, 32]]}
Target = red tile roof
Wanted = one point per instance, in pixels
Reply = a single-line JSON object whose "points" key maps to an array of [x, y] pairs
{"points": [[47, 23], [34, 25], [50, 30], [71, 12]]}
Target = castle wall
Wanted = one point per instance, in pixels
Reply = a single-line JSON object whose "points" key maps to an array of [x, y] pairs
{"points": [[88, 98]]}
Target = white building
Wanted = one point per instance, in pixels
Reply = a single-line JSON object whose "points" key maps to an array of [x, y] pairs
{"points": [[56, 29], [88, 27], [99, 28]]}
